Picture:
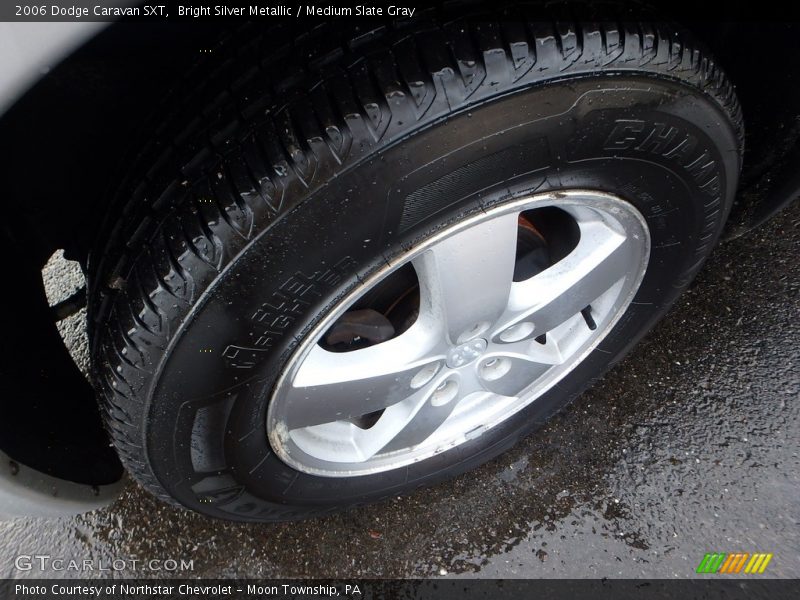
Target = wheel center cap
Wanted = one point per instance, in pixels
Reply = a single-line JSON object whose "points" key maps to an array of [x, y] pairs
{"points": [[465, 353]]}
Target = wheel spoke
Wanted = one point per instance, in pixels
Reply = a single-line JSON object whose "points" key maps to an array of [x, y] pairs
{"points": [[333, 386], [363, 444], [465, 280], [415, 421], [600, 259], [509, 374], [546, 353]]}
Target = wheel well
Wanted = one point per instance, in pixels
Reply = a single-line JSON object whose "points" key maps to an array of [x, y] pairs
{"points": [[49, 419], [72, 133]]}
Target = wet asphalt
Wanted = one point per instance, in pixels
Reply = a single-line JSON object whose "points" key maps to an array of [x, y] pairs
{"points": [[688, 446]]}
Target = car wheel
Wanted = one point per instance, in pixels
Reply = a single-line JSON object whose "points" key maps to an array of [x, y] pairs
{"points": [[384, 271]]}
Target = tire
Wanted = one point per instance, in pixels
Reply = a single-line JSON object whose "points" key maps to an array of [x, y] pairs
{"points": [[252, 225]]}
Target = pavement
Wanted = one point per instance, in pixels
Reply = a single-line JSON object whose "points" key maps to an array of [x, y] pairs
{"points": [[688, 446]]}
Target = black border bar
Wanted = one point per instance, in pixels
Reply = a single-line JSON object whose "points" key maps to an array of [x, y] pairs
{"points": [[705, 588], [270, 10]]}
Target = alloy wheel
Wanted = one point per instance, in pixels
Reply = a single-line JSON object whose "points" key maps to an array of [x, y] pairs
{"points": [[488, 335]]}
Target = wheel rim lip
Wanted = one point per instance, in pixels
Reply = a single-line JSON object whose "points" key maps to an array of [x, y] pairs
{"points": [[604, 202]]}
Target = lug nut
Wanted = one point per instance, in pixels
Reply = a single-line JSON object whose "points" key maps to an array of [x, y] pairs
{"points": [[427, 373], [517, 332], [495, 368], [445, 393]]}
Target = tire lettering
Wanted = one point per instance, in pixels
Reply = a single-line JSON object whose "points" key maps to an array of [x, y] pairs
{"points": [[668, 142], [658, 139], [286, 304], [624, 135]]}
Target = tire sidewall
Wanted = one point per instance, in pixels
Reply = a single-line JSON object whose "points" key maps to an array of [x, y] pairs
{"points": [[658, 144]]}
